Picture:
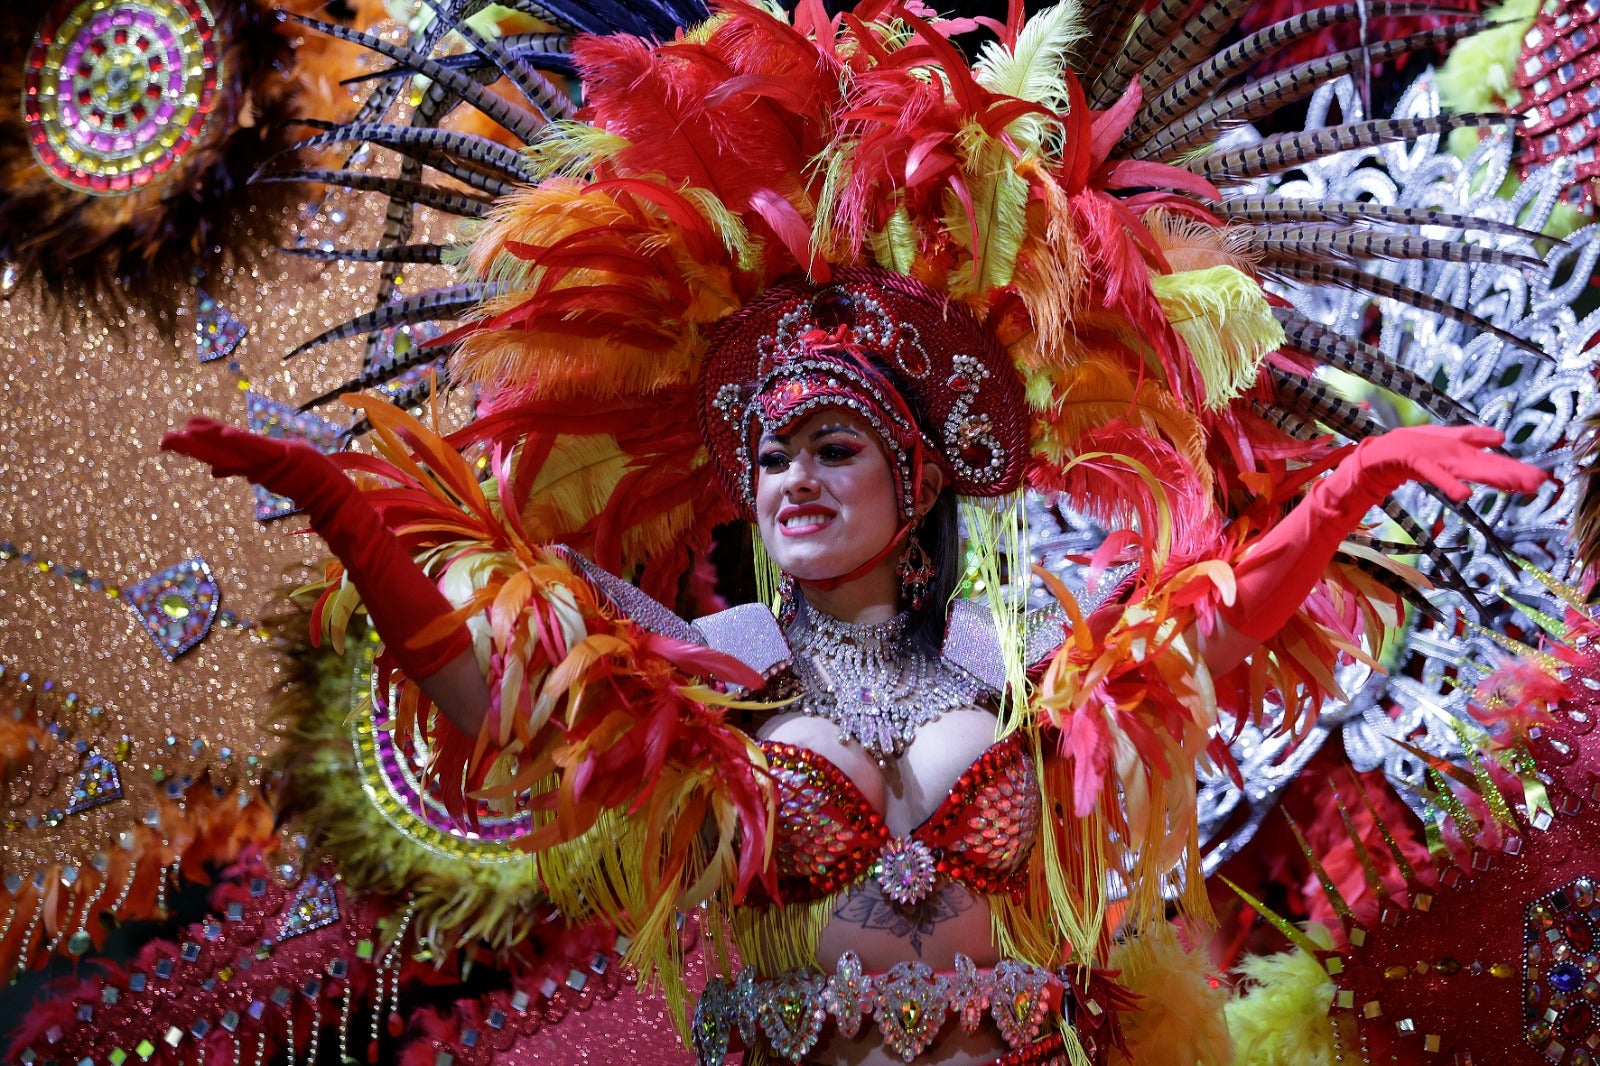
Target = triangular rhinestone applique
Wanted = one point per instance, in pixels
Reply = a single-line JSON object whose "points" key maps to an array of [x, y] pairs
{"points": [[314, 906], [176, 605], [216, 332], [99, 783]]}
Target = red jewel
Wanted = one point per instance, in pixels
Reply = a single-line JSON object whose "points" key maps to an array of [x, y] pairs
{"points": [[1578, 932], [395, 1025], [372, 1051], [1576, 1022]]}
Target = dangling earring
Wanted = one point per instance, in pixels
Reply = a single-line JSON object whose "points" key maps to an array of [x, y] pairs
{"points": [[787, 605], [917, 573]]}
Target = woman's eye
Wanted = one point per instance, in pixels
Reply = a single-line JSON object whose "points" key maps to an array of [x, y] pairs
{"points": [[772, 460], [836, 453]]}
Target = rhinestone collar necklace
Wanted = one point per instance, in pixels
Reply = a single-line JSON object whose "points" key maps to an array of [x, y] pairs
{"points": [[871, 682]]}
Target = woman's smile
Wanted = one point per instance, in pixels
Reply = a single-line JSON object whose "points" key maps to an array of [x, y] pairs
{"points": [[805, 519]]}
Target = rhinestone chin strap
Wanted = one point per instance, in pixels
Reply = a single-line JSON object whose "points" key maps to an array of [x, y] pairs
{"points": [[911, 1004], [870, 682]]}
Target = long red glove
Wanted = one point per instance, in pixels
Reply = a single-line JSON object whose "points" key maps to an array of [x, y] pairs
{"points": [[400, 599], [1280, 571]]}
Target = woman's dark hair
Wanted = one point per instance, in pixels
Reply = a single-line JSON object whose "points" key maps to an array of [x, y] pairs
{"points": [[941, 539], [940, 534]]}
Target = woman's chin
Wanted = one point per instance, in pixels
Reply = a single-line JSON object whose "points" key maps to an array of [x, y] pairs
{"points": [[814, 566], [804, 573]]}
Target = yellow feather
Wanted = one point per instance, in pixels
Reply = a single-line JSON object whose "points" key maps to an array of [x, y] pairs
{"points": [[1281, 1016], [569, 149], [1033, 70], [895, 246], [999, 217], [1180, 1019], [1227, 324], [575, 482]]}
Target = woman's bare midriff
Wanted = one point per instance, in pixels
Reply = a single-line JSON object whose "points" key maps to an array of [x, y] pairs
{"points": [[952, 920]]}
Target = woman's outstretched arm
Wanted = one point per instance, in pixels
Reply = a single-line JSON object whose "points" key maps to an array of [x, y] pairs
{"points": [[1283, 567], [401, 600]]}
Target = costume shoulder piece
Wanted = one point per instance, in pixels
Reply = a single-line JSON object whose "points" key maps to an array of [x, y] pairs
{"points": [[749, 633], [972, 643]]}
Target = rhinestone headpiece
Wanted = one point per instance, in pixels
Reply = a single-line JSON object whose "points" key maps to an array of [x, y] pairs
{"points": [[917, 366]]}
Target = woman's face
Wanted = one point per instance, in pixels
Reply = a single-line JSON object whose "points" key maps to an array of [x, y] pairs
{"points": [[825, 495]]}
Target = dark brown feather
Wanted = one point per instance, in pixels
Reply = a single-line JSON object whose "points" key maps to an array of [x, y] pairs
{"points": [[382, 373], [522, 123], [1256, 209], [1261, 97], [1149, 36], [1344, 277], [1196, 41], [1107, 23], [447, 303], [399, 253], [414, 192], [1370, 363], [1206, 79], [1322, 242], [538, 89], [1286, 151], [482, 157]]}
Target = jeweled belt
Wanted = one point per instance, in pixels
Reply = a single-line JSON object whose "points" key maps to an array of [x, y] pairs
{"points": [[910, 1004]]}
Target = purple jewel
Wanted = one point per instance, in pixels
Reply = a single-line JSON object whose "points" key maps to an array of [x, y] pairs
{"points": [[1564, 977]]}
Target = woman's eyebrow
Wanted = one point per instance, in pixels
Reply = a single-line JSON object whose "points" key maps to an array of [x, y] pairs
{"points": [[823, 431]]}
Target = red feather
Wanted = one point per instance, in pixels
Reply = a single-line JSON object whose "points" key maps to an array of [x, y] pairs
{"points": [[746, 112], [1117, 494]]}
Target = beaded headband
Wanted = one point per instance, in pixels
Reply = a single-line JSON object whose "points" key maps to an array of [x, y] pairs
{"points": [[881, 344]]}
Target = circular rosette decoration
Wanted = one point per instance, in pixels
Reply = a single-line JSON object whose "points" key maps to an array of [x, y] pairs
{"points": [[906, 871], [356, 786], [114, 94], [137, 121]]}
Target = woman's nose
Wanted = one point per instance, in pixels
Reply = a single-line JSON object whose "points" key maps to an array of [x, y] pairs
{"points": [[800, 480]]}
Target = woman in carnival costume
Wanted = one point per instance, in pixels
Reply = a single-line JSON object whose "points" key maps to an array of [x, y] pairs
{"points": [[824, 275]]}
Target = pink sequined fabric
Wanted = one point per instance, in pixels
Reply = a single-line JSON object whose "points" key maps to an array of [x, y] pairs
{"points": [[1559, 76], [830, 837]]}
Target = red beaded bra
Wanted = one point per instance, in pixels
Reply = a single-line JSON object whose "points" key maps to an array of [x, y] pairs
{"points": [[829, 836]]}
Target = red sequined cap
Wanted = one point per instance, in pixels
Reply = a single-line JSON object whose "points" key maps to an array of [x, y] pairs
{"points": [[798, 348]]}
